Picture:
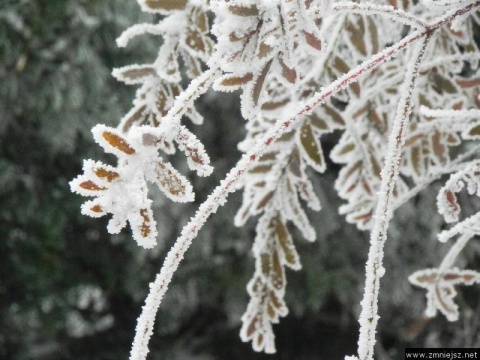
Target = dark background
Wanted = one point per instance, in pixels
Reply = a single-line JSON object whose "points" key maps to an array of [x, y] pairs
{"points": [[69, 290]]}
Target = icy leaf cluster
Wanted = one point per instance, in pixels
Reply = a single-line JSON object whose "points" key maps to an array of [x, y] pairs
{"points": [[146, 130], [122, 190], [440, 282], [397, 83]]}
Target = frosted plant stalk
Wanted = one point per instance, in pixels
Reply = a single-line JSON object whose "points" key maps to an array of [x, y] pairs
{"points": [[384, 209]]}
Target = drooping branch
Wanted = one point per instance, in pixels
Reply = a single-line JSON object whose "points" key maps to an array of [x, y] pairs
{"points": [[384, 209], [218, 197]]}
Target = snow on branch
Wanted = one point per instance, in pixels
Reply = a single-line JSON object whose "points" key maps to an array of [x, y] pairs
{"points": [[384, 209], [303, 70], [389, 12]]}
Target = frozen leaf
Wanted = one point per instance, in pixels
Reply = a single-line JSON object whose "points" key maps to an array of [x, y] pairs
{"points": [[447, 201], [134, 116], [240, 10], [134, 74], [232, 82], [311, 147], [112, 141], [164, 5], [258, 83], [440, 289], [313, 40], [285, 240], [174, 185], [472, 132], [289, 74], [356, 32]]}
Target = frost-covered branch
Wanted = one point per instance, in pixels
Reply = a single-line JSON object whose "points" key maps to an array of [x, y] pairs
{"points": [[387, 11], [219, 195], [384, 210], [299, 67]]}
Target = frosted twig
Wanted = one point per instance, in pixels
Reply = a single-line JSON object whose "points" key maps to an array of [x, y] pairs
{"points": [[384, 209], [136, 30], [452, 114], [184, 101], [384, 10], [467, 225], [455, 250]]}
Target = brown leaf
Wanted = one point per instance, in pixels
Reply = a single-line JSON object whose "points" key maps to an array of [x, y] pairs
{"points": [[90, 185], [108, 175], [265, 264], [442, 84], [336, 117], [166, 4], [264, 50], [169, 180], [374, 35], [118, 142], [202, 22], [161, 102], [260, 169], [145, 229], [235, 81], [312, 40], [277, 277], [258, 86], [97, 209], [428, 278], [311, 146], [286, 243], [294, 165], [195, 41], [356, 35], [417, 160], [347, 148], [474, 131], [452, 201], [259, 340], [138, 73], [468, 83], [138, 114], [271, 311], [343, 68], [264, 201], [243, 10], [439, 149], [319, 123], [252, 328], [289, 74]]}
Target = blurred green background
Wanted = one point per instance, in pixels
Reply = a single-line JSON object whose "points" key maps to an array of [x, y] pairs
{"points": [[69, 290]]}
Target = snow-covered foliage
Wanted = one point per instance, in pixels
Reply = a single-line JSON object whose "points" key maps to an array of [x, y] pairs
{"points": [[398, 81]]}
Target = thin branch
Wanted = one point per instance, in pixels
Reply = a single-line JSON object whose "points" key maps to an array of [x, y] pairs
{"points": [[136, 30], [453, 114], [184, 101], [384, 209], [454, 251], [387, 11]]}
